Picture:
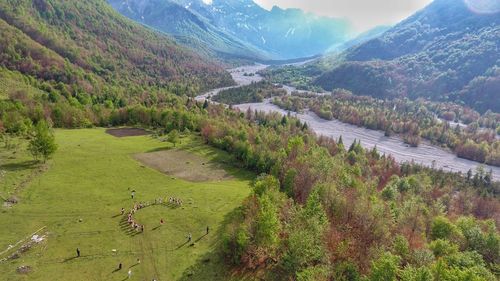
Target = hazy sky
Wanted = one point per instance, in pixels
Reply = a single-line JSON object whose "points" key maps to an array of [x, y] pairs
{"points": [[363, 14]]}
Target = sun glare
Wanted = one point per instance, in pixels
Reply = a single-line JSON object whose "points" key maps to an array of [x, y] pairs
{"points": [[483, 6]]}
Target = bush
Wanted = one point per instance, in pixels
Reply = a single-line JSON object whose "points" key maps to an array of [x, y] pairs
{"points": [[385, 268], [442, 228], [442, 248]]}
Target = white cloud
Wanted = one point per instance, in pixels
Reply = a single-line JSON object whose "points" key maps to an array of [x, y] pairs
{"points": [[363, 14], [207, 2]]}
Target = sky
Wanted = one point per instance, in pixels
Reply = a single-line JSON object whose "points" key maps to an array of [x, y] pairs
{"points": [[363, 14]]}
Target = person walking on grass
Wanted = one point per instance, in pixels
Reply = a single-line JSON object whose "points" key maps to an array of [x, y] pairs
{"points": [[120, 266], [129, 273], [77, 252], [208, 229], [190, 237]]}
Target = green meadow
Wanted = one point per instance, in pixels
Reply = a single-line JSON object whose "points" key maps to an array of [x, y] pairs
{"points": [[76, 203]]}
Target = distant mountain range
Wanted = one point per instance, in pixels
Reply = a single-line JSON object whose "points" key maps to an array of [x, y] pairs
{"points": [[446, 51], [239, 28]]}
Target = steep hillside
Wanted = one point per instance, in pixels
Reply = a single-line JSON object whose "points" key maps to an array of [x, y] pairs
{"points": [[69, 47], [188, 29], [445, 52], [239, 28]]}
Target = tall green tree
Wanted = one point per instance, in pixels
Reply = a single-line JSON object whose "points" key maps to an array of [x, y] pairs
{"points": [[267, 225], [305, 245], [173, 137], [43, 144]]}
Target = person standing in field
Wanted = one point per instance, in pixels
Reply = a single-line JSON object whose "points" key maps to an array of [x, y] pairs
{"points": [[77, 252], [129, 273]]}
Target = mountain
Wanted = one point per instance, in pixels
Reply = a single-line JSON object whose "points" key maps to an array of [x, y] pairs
{"points": [[446, 51], [69, 47], [188, 28], [240, 28]]}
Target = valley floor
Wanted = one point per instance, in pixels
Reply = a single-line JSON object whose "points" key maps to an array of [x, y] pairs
{"points": [[76, 204]]}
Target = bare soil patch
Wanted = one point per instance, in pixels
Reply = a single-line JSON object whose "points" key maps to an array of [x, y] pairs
{"points": [[184, 165], [127, 132]]}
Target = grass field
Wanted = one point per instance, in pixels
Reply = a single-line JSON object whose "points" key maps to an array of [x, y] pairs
{"points": [[78, 201], [17, 168]]}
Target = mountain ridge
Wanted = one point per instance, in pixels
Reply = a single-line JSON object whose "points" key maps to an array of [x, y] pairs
{"points": [[277, 34], [442, 52]]}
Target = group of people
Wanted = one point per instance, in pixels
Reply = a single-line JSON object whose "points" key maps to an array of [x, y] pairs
{"points": [[137, 206], [130, 218], [175, 201]]}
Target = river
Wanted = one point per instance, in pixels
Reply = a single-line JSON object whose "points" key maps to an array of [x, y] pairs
{"points": [[425, 154]]}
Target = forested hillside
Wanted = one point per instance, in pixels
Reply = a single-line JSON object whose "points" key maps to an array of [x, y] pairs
{"points": [[444, 52], [84, 47]]}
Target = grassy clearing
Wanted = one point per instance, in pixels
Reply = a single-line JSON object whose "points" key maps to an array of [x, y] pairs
{"points": [[17, 168], [90, 178]]}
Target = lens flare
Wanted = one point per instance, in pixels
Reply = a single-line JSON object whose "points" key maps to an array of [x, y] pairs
{"points": [[483, 6]]}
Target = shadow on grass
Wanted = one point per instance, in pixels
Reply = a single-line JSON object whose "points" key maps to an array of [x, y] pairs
{"points": [[134, 265], [163, 148], [211, 266], [20, 166], [219, 158], [71, 258], [182, 245], [201, 237], [127, 229]]}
